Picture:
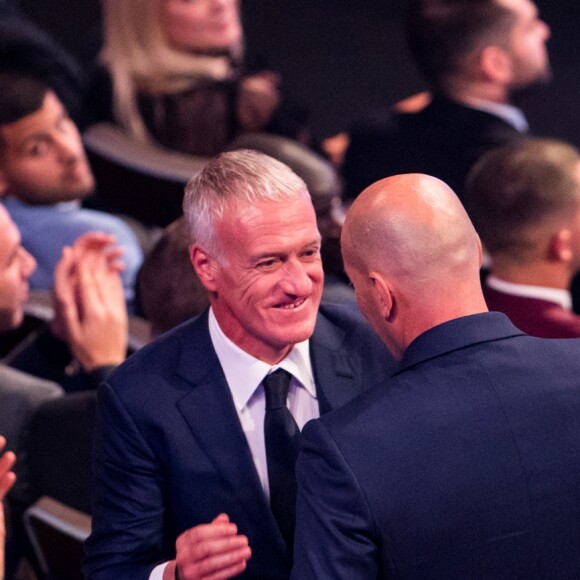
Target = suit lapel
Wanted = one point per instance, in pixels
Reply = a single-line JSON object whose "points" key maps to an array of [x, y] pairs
{"points": [[209, 410], [336, 372]]}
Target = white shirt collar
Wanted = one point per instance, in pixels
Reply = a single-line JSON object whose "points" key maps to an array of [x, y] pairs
{"points": [[510, 114], [557, 295], [244, 373]]}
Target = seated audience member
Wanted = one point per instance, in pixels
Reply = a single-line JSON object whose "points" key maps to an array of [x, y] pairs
{"points": [[478, 57], [194, 453], [7, 479], [44, 175], [90, 316], [464, 463], [524, 201], [88, 335], [173, 74], [168, 289]]}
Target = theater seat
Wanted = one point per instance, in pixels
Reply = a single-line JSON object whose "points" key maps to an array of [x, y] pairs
{"points": [[57, 533], [141, 180]]}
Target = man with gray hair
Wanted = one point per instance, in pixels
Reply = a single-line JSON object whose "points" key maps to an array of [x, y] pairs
{"points": [[198, 433], [464, 464]]}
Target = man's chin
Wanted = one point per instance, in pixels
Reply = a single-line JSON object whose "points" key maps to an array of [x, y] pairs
{"points": [[10, 320], [520, 94]]}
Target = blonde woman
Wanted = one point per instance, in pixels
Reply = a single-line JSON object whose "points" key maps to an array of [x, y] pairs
{"points": [[173, 68]]}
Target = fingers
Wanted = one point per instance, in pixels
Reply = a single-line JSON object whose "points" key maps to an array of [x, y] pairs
{"points": [[94, 241], [66, 312], [90, 309], [7, 477], [212, 551]]}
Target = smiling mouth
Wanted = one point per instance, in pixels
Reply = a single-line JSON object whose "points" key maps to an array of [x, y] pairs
{"points": [[292, 305]]}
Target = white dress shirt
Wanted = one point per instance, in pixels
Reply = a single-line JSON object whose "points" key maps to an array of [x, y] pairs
{"points": [[510, 114], [556, 295], [244, 375]]}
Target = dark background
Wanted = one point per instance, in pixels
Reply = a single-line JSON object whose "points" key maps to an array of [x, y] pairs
{"points": [[344, 59]]}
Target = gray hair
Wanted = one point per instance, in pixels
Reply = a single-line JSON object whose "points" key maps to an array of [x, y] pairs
{"points": [[232, 180]]}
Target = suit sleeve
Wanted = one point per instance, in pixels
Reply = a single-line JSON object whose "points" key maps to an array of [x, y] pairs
{"points": [[334, 528], [127, 526]]}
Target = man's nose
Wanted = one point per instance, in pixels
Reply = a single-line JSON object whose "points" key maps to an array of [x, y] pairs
{"points": [[28, 263], [296, 280], [68, 146]]}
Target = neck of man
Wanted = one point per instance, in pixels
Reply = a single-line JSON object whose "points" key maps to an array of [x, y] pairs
{"points": [[467, 91], [548, 274], [450, 303]]}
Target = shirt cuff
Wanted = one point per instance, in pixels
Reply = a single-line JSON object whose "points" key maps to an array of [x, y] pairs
{"points": [[157, 573]]}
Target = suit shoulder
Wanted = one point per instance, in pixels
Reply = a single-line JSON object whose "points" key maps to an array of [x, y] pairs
{"points": [[342, 327], [161, 355], [348, 318]]}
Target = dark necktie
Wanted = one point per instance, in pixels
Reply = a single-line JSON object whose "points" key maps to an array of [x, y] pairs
{"points": [[282, 437]]}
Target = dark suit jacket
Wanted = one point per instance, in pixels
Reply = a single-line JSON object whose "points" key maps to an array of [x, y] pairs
{"points": [[170, 452], [534, 316], [464, 465], [444, 139]]}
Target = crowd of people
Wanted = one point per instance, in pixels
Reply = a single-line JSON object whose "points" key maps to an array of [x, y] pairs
{"points": [[416, 423]]}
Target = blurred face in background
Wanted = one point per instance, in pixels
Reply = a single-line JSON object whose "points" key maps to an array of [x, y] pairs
{"points": [[42, 158], [16, 265], [202, 25], [528, 51]]}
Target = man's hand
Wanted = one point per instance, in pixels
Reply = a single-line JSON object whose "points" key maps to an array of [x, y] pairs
{"points": [[213, 551], [258, 98], [7, 479], [90, 310]]}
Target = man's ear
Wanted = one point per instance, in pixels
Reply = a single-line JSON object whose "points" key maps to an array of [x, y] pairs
{"points": [[496, 64], [383, 294], [204, 266], [560, 247]]}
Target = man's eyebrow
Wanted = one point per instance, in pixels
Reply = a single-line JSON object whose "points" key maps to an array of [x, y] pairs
{"points": [[278, 253], [30, 139]]}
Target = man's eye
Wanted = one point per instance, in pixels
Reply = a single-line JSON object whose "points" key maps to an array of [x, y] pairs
{"points": [[36, 149], [313, 253], [266, 264]]}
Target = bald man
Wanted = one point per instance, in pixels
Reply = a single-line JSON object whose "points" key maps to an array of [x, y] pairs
{"points": [[465, 463]]}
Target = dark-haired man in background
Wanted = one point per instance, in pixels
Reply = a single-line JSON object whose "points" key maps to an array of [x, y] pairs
{"points": [[524, 200], [44, 175], [477, 57]]}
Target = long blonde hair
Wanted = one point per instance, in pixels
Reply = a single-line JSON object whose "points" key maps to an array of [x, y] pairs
{"points": [[139, 58]]}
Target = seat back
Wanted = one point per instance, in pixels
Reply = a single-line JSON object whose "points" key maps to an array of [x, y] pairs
{"points": [[57, 534], [141, 180]]}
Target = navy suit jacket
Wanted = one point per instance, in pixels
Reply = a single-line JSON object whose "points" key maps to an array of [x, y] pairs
{"points": [[170, 452], [466, 464], [444, 139]]}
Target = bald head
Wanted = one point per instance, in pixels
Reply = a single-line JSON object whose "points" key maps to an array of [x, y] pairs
{"points": [[411, 234], [410, 225]]}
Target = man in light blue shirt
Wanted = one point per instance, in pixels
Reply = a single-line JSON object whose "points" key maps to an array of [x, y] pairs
{"points": [[44, 174]]}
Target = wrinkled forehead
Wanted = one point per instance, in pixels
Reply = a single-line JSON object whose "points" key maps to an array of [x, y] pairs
{"points": [[283, 220]]}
